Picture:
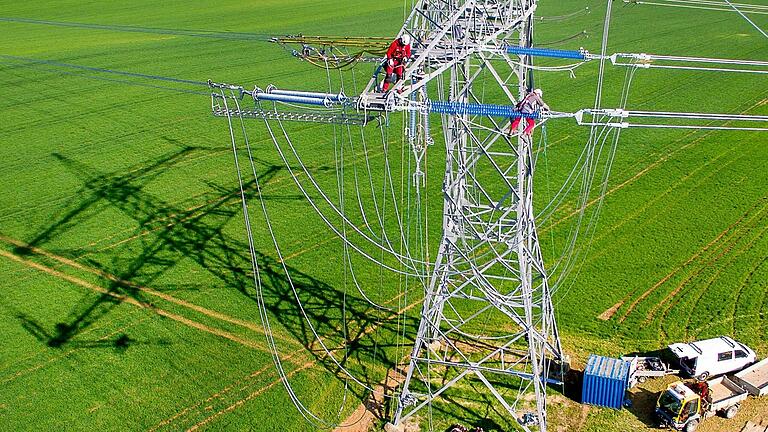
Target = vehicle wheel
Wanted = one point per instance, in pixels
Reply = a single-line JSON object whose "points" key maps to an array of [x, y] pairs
{"points": [[703, 376], [731, 412], [642, 379], [691, 426]]}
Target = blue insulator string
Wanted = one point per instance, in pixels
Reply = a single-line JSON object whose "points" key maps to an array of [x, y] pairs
{"points": [[459, 108], [546, 52]]}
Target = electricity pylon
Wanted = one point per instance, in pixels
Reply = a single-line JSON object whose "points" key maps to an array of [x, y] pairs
{"points": [[487, 318], [487, 315]]}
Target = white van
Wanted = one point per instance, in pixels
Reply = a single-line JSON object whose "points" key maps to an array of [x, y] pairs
{"points": [[715, 356]]}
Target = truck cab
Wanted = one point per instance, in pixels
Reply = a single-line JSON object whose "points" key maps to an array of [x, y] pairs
{"points": [[710, 357], [683, 406], [679, 407]]}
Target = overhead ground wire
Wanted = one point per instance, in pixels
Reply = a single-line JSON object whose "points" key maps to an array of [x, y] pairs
{"points": [[152, 30], [703, 5], [103, 70]]}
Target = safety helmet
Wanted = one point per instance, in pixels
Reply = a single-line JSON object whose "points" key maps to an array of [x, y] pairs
{"points": [[405, 39], [538, 92]]}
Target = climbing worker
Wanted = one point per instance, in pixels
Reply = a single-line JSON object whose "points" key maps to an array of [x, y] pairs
{"points": [[531, 103], [394, 66]]}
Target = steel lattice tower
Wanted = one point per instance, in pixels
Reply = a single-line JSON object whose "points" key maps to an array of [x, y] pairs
{"points": [[487, 314], [487, 318]]}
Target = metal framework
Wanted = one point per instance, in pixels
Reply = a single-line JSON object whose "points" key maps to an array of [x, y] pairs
{"points": [[487, 316]]}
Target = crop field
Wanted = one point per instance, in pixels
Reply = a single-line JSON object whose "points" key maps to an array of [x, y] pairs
{"points": [[128, 299]]}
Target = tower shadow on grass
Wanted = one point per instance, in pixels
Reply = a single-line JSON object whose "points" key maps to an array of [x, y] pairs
{"points": [[62, 334], [168, 233], [124, 191]]}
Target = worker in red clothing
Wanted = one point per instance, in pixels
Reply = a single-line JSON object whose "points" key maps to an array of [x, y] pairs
{"points": [[531, 103], [397, 54]]}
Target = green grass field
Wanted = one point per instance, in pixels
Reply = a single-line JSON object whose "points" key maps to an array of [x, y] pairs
{"points": [[128, 300]]}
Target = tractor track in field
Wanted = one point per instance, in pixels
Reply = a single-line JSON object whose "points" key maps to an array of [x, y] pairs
{"points": [[194, 408], [725, 250], [713, 279], [551, 144], [608, 314], [658, 197], [315, 245], [742, 287], [86, 331], [158, 311], [382, 388], [242, 385], [10, 378], [244, 400], [219, 394], [727, 233], [611, 311], [726, 247], [68, 262], [143, 305], [132, 301], [114, 279], [647, 168]]}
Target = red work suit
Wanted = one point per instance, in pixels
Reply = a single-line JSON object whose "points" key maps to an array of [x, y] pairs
{"points": [[528, 105], [395, 63]]}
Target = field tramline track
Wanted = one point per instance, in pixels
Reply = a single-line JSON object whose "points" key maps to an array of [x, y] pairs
{"points": [[484, 246], [347, 119]]}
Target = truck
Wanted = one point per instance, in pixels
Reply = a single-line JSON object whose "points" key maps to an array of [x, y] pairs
{"points": [[754, 379], [683, 406]]}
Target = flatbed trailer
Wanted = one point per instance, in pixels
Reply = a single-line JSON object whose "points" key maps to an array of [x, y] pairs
{"points": [[642, 368], [727, 397], [754, 378]]}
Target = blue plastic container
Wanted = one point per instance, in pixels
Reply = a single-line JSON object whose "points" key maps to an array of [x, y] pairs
{"points": [[605, 382]]}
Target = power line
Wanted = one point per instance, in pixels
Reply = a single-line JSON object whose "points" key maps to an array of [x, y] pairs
{"points": [[151, 30], [489, 254], [746, 18], [33, 61]]}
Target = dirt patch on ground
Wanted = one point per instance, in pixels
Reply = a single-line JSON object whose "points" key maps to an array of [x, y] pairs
{"points": [[582, 417], [754, 427], [610, 312], [373, 409]]}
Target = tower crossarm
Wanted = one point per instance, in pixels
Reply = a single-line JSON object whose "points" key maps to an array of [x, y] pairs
{"points": [[446, 33]]}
